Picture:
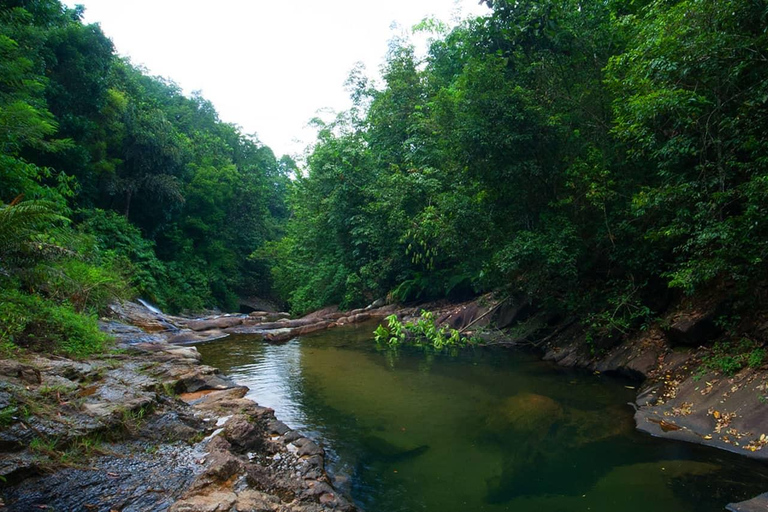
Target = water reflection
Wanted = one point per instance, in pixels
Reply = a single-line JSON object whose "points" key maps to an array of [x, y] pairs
{"points": [[488, 430]]}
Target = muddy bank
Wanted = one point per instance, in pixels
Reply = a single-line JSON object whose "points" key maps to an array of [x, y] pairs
{"points": [[148, 428]]}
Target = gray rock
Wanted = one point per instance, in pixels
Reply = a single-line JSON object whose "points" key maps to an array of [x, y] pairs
{"points": [[758, 504], [310, 448], [278, 427], [693, 329]]}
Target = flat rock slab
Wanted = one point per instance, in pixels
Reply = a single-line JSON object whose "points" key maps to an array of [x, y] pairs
{"points": [[208, 324], [132, 482], [758, 504], [713, 410]]}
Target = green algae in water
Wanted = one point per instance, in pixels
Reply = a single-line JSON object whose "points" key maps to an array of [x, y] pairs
{"points": [[484, 430]]}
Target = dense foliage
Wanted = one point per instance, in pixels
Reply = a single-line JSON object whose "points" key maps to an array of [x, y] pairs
{"points": [[113, 183], [589, 155]]}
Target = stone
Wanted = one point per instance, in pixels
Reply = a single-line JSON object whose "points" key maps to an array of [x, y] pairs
{"points": [[291, 436], [217, 501], [208, 324], [243, 435], [17, 370], [310, 448], [184, 336], [758, 504], [251, 500], [693, 329], [510, 313]]}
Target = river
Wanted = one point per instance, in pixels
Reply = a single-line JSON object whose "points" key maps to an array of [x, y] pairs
{"points": [[480, 430]]}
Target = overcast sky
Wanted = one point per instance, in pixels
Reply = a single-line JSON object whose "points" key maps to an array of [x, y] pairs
{"points": [[268, 67]]}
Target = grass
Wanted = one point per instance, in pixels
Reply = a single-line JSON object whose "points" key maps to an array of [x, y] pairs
{"points": [[728, 357], [8, 415], [72, 454], [41, 324]]}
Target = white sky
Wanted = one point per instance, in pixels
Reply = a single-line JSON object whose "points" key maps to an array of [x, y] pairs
{"points": [[267, 66]]}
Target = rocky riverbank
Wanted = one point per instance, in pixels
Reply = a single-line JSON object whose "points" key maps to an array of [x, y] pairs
{"points": [[148, 427]]}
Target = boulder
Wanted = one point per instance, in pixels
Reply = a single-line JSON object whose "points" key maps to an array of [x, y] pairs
{"points": [[693, 329], [511, 312], [243, 435], [139, 316]]}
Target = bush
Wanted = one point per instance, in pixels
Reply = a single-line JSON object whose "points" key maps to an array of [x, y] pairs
{"points": [[31, 321], [728, 358], [86, 286], [422, 332], [114, 235]]}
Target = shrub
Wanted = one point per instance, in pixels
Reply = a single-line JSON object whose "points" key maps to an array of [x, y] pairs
{"points": [[728, 358], [38, 323], [422, 332]]}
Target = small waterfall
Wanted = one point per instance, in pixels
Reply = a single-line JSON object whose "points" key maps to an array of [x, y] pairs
{"points": [[150, 307]]}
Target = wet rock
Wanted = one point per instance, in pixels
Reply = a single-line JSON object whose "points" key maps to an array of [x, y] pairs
{"points": [[130, 399], [328, 313], [184, 336], [377, 303], [354, 319], [465, 315], [139, 482], [629, 360], [126, 334], [758, 504], [220, 465], [710, 409], [171, 425], [162, 352], [291, 436], [310, 448], [141, 317], [6, 399], [201, 378], [277, 427]]}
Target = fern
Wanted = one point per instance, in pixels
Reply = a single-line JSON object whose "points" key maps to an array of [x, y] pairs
{"points": [[25, 237]]}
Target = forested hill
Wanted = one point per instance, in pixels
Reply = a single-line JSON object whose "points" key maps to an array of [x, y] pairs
{"points": [[589, 155], [595, 156], [113, 182]]}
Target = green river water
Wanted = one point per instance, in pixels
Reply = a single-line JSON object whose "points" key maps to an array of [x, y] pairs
{"points": [[482, 430]]}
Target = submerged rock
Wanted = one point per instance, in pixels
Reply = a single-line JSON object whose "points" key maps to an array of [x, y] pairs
{"points": [[383, 450]]}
